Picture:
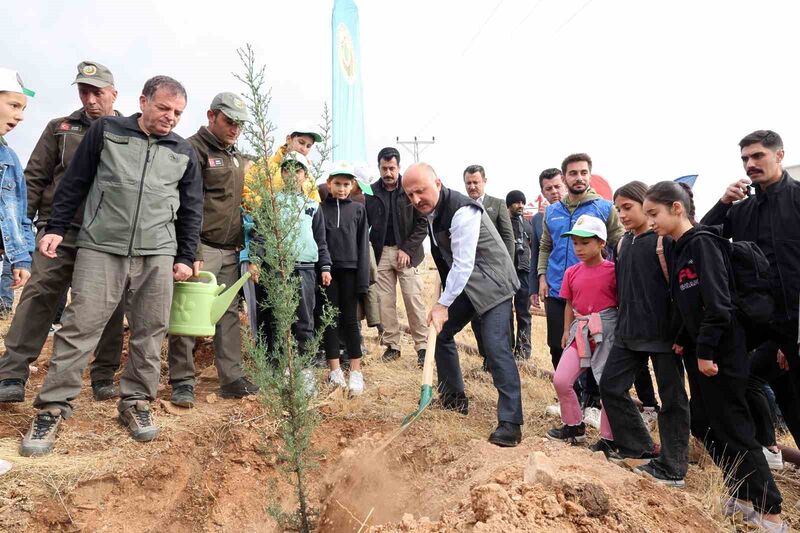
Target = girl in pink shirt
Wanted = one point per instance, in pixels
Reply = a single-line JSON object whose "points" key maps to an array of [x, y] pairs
{"points": [[590, 288]]}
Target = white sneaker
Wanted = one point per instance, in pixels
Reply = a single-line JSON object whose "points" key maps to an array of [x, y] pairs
{"points": [[591, 417], [774, 459], [553, 410], [336, 378], [356, 384], [650, 417]]}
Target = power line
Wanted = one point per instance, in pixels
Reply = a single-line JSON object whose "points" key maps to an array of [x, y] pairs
{"points": [[480, 30], [578, 12]]}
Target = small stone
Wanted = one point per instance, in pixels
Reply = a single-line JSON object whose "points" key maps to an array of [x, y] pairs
{"points": [[572, 508], [33, 369], [209, 374], [173, 409], [211, 398], [539, 469], [550, 507], [599, 455], [407, 522], [342, 441]]}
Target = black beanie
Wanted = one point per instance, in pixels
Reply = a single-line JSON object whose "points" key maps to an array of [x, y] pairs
{"points": [[514, 197]]}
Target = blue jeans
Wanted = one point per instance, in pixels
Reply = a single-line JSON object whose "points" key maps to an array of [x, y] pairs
{"points": [[6, 294], [495, 325]]}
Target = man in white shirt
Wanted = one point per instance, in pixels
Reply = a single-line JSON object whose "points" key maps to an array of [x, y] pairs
{"points": [[479, 280]]}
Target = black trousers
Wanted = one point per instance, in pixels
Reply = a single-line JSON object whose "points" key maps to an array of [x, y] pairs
{"points": [[720, 418], [522, 312], [630, 434], [786, 385], [303, 327], [342, 294]]}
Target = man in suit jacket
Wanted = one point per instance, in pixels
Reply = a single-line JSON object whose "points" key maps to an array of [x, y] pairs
{"points": [[475, 184]]}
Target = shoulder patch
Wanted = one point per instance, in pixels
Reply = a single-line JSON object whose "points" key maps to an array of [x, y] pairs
{"points": [[66, 126]]}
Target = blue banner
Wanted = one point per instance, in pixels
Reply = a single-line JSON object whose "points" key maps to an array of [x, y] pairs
{"points": [[349, 142]]}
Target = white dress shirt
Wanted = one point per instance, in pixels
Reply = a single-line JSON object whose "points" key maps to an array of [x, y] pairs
{"points": [[465, 228]]}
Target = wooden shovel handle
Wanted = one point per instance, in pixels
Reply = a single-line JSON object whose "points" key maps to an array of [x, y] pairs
{"points": [[430, 354]]}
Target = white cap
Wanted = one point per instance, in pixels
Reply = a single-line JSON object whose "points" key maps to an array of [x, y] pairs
{"points": [[588, 226], [307, 129], [11, 81], [342, 168], [298, 158]]}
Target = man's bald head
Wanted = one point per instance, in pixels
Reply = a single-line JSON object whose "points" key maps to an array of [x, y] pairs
{"points": [[422, 187]]}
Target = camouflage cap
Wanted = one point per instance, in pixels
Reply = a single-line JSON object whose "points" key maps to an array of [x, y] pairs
{"points": [[95, 74], [232, 105]]}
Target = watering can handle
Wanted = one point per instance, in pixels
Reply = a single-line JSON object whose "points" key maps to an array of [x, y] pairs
{"points": [[211, 278]]}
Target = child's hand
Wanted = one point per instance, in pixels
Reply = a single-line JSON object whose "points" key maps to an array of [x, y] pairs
{"points": [[708, 368], [254, 271], [326, 279], [564, 339], [678, 349], [19, 277]]}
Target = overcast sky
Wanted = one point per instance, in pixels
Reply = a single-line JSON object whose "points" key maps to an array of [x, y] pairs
{"points": [[651, 90]]}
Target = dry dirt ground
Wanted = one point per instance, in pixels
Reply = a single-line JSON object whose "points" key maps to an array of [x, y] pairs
{"points": [[214, 468]]}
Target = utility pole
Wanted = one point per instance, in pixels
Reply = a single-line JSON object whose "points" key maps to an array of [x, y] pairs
{"points": [[415, 143]]}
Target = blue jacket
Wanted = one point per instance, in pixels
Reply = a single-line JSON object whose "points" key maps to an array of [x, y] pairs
{"points": [[559, 220], [18, 238]]}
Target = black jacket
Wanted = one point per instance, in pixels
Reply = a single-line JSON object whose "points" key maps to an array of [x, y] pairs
{"points": [[523, 233], [644, 317], [740, 223], [410, 227], [700, 273], [346, 232]]}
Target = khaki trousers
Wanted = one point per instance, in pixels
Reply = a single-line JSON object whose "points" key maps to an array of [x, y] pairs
{"points": [[50, 279], [99, 284], [224, 264], [411, 287]]}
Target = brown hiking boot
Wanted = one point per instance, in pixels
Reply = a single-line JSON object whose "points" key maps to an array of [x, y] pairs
{"points": [[138, 418], [42, 435]]}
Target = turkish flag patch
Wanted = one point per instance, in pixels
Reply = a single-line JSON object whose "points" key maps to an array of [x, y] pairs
{"points": [[64, 126], [214, 162]]}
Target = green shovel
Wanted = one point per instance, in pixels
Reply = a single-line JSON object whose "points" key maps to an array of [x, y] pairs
{"points": [[426, 391]]}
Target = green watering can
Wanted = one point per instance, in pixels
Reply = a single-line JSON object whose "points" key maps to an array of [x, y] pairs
{"points": [[197, 307]]}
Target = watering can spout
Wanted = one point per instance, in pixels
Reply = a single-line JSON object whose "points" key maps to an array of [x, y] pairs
{"points": [[223, 300]]}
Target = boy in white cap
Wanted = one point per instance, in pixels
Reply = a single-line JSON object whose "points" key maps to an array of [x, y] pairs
{"points": [[16, 238]]}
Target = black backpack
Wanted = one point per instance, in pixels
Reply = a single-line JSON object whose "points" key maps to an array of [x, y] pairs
{"points": [[750, 291]]}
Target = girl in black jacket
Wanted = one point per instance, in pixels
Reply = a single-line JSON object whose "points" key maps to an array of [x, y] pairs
{"points": [[643, 332], [347, 235], [712, 343]]}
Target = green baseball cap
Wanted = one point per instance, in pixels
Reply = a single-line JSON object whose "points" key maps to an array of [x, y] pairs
{"points": [[93, 73], [232, 105]]}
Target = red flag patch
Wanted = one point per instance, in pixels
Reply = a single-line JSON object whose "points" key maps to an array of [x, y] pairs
{"points": [[214, 162]]}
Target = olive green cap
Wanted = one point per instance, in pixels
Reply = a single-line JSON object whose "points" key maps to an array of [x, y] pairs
{"points": [[93, 73], [232, 105]]}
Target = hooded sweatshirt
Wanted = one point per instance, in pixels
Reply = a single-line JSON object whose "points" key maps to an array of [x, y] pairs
{"points": [[347, 235], [700, 274], [644, 319]]}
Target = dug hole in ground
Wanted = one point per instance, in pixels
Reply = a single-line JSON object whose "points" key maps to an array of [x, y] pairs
{"points": [[214, 467]]}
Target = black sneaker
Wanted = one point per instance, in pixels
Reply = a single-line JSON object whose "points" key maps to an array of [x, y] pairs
{"points": [[138, 418], [238, 389], [421, 358], [12, 390], [570, 434], [651, 472], [507, 435], [455, 402], [104, 390], [42, 435], [607, 447], [182, 395], [391, 354]]}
